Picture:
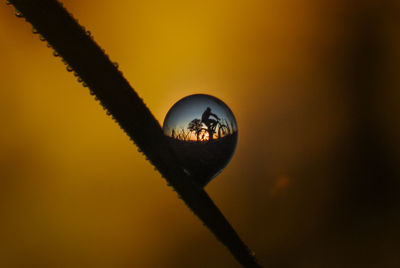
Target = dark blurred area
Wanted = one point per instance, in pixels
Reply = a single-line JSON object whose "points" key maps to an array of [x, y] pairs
{"points": [[315, 178]]}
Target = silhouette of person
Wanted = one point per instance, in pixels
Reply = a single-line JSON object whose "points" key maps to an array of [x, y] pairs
{"points": [[205, 118]]}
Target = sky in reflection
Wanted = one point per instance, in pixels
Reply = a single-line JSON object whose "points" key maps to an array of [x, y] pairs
{"points": [[192, 107]]}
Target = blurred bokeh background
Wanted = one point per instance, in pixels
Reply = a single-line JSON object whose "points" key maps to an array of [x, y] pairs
{"points": [[314, 86]]}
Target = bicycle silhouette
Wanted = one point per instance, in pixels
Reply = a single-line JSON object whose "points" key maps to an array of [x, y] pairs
{"points": [[205, 132]]}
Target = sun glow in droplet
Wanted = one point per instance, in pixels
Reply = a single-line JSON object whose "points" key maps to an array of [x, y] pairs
{"points": [[202, 132]]}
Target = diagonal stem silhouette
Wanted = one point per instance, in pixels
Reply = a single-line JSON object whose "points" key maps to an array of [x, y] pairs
{"points": [[106, 82]]}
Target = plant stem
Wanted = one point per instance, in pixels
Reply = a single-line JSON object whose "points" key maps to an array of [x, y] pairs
{"points": [[88, 60]]}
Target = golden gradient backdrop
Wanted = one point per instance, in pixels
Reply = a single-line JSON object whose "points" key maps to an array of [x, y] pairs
{"points": [[75, 192]]}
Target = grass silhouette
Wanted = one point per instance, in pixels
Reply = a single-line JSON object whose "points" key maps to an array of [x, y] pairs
{"points": [[93, 67]]}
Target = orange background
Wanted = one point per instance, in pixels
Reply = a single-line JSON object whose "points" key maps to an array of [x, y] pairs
{"points": [[74, 191]]}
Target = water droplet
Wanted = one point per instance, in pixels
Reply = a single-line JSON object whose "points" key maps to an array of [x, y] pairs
{"points": [[41, 38], [75, 74], [55, 54], [34, 30], [8, 2], [88, 33], [80, 80], [48, 45], [91, 92], [202, 131], [108, 113], [18, 13], [116, 64], [85, 85], [69, 68]]}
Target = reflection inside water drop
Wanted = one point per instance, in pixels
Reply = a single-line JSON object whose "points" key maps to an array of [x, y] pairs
{"points": [[202, 133]]}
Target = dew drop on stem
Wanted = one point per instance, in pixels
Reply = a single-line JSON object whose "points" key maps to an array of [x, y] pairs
{"points": [[202, 132], [18, 14]]}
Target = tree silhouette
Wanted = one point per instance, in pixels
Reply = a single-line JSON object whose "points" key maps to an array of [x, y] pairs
{"points": [[196, 126]]}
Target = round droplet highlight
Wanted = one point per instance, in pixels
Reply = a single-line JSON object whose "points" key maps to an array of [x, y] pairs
{"points": [[202, 133]]}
